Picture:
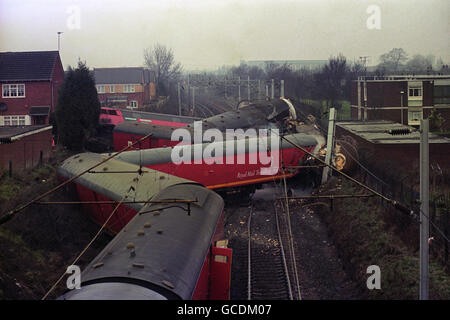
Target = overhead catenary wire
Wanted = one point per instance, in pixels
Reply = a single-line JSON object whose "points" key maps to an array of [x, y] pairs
{"points": [[395, 203], [335, 169], [87, 246], [383, 182], [13, 212], [117, 205], [290, 239]]}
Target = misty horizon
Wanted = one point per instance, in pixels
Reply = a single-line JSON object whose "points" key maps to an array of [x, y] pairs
{"points": [[206, 35]]}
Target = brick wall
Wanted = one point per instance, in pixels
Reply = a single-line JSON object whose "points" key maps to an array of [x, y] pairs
{"points": [[36, 94], [25, 153]]}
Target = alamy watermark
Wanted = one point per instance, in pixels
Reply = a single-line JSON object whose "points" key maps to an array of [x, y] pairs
{"points": [[374, 281], [73, 21], [260, 146], [373, 22], [74, 280]]}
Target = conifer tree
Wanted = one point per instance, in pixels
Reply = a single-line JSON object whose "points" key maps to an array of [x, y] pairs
{"points": [[78, 108]]}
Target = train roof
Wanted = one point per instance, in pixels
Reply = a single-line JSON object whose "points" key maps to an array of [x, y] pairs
{"points": [[143, 129], [255, 115], [115, 185], [164, 155], [134, 115], [169, 250]]}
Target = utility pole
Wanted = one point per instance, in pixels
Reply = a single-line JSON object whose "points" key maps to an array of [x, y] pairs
{"points": [[364, 60], [239, 89], [267, 92], [59, 34], [248, 88], [193, 101], [282, 89], [401, 109], [330, 144], [424, 210], [189, 92], [272, 95], [259, 89], [179, 99]]}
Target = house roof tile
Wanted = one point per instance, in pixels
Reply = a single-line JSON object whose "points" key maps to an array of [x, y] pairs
{"points": [[27, 66], [127, 75]]}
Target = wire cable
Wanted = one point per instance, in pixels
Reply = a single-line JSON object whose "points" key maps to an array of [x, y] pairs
{"points": [[86, 247], [11, 213]]}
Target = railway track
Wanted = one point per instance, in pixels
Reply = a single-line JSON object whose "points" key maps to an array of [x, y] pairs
{"points": [[204, 110], [272, 262]]}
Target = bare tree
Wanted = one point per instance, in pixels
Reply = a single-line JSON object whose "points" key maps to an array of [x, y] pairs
{"points": [[161, 59], [420, 63], [331, 81], [393, 59]]}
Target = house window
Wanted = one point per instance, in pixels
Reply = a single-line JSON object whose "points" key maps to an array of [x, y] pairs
{"points": [[13, 91], [414, 117], [111, 89], [21, 120], [101, 89], [128, 88], [441, 94], [133, 104], [415, 92], [16, 120], [12, 120]]}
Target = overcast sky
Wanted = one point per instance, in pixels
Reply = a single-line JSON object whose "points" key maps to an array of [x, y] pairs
{"points": [[208, 34]]}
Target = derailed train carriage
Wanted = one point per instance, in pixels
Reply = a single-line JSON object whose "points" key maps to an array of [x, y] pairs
{"points": [[257, 115], [219, 165], [163, 249]]}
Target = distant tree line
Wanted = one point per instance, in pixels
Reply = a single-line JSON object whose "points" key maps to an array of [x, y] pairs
{"points": [[330, 83], [396, 61]]}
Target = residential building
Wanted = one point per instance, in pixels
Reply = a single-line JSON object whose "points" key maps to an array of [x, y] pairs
{"points": [[403, 99], [130, 87], [29, 82]]}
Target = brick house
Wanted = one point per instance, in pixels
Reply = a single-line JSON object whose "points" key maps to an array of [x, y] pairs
{"points": [[29, 82], [403, 99], [130, 87]]}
